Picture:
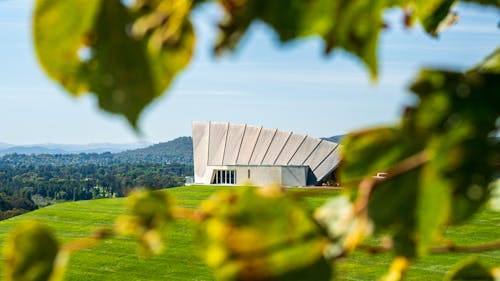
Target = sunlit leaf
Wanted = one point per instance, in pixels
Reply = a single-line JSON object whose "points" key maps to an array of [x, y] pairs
{"points": [[30, 253], [398, 269], [491, 64], [250, 235], [494, 3], [434, 14], [495, 196], [89, 46]]}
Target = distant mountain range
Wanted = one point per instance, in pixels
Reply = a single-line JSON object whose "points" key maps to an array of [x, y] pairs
{"points": [[336, 139], [179, 150], [69, 148], [4, 145]]}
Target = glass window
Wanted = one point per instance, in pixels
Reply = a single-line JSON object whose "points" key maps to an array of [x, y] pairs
{"points": [[224, 177]]}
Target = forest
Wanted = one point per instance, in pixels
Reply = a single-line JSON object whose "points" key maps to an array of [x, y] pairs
{"points": [[26, 187]]}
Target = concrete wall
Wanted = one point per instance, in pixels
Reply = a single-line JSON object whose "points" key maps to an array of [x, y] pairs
{"points": [[279, 141], [200, 150], [306, 148], [289, 149], [294, 175], [234, 138], [318, 157], [259, 175], [262, 146], [224, 144], [250, 137], [264, 175], [328, 164], [217, 142]]}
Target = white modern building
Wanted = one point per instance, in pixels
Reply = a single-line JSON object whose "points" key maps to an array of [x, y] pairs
{"points": [[237, 154]]}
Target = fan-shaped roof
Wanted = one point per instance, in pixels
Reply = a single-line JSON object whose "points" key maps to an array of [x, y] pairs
{"points": [[225, 144]]}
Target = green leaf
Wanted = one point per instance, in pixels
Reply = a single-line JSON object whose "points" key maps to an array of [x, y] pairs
{"points": [[433, 206], [90, 46], [434, 14], [464, 152], [452, 123], [351, 25], [470, 269], [490, 64], [253, 235], [495, 195], [30, 253], [369, 152], [495, 3]]}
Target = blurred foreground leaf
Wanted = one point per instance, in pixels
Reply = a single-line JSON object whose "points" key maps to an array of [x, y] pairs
{"points": [[30, 254], [254, 236], [345, 230], [126, 56], [350, 25], [398, 269], [471, 269], [128, 52], [149, 212], [452, 128]]}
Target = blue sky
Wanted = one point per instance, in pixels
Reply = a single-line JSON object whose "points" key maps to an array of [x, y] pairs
{"points": [[292, 87]]}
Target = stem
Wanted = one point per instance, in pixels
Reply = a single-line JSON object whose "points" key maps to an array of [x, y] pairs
{"points": [[89, 241], [452, 248], [188, 214], [479, 248]]}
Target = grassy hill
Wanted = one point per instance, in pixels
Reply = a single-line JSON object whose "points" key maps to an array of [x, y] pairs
{"points": [[116, 259]]}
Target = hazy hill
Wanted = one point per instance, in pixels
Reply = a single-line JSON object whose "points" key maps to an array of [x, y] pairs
{"points": [[4, 145], [32, 150], [179, 150], [69, 148], [98, 147], [337, 138]]}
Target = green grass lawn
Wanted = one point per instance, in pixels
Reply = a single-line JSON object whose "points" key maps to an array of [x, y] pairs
{"points": [[116, 259]]}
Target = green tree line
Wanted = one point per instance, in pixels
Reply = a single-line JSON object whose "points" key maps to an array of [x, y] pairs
{"points": [[24, 188]]}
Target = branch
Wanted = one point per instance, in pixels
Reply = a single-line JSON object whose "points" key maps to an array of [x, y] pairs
{"points": [[89, 241], [451, 248], [188, 214], [366, 185], [479, 248]]}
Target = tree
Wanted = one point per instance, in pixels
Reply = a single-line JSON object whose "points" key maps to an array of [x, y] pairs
{"points": [[440, 158]]}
